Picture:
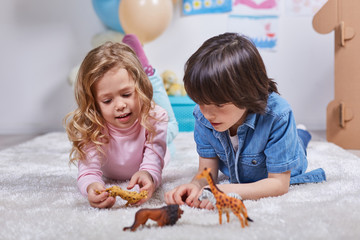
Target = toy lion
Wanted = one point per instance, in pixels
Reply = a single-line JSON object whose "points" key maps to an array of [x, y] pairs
{"points": [[167, 215]]}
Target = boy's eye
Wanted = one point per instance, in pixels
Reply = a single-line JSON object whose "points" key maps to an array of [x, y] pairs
{"points": [[220, 105]]}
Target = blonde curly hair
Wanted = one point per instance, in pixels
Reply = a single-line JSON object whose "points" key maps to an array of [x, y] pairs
{"points": [[85, 126]]}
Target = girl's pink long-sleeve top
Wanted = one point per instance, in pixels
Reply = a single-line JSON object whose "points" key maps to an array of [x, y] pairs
{"points": [[128, 151]]}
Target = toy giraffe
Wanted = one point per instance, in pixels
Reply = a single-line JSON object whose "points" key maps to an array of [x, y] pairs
{"points": [[130, 196], [224, 202]]}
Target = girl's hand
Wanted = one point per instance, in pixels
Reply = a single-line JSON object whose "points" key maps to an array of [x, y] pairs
{"points": [[145, 182], [186, 193], [102, 200]]}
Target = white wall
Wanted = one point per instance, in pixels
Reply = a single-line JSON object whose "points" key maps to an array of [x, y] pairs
{"points": [[41, 41]]}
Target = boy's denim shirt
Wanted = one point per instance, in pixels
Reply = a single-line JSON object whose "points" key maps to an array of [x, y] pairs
{"points": [[268, 143]]}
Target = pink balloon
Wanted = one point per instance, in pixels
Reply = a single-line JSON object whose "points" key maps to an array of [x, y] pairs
{"points": [[147, 19]]}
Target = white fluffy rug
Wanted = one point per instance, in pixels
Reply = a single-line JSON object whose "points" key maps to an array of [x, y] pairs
{"points": [[39, 200]]}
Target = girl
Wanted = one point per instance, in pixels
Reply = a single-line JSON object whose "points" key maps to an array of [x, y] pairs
{"points": [[243, 127], [117, 131]]}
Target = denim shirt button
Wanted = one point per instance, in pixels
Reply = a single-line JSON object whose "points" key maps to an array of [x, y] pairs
{"points": [[254, 162]]}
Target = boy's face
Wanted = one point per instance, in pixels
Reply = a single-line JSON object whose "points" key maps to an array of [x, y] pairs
{"points": [[224, 117], [117, 99]]}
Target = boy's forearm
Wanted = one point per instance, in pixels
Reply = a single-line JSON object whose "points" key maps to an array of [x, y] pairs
{"points": [[268, 187], [211, 163], [199, 182]]}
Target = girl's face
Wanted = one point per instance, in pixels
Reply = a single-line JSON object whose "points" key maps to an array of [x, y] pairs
{"points": [[224, 117], [117, 99]]}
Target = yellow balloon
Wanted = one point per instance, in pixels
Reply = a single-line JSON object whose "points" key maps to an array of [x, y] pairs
{"points": [[147, 19]]}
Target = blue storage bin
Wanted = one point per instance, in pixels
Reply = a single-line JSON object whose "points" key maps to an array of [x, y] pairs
{"points": [[183, 109]]}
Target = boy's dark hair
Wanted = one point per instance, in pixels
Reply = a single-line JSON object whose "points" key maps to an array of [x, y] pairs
{"points": [[228, 68]]}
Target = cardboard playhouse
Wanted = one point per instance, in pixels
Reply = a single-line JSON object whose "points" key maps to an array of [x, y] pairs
{"points": [[343, 113]]}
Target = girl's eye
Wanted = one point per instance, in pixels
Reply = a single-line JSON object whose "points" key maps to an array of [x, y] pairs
{"points": [[126, 95], [106, 101]]}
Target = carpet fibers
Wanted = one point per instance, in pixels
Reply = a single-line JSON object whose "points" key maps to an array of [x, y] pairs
{"points": [[39, 199]]}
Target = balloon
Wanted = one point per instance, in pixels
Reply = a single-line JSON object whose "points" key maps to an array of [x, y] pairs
{"points": [[147, 19], [108, 12]]}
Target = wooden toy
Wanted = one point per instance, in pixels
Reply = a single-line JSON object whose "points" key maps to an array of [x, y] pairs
{"points": [[167, 215], [343, 113], [225, 203]]}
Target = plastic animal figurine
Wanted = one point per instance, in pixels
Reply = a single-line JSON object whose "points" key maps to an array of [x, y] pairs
{"points": [[130, 196], [225, 203], [207, 194], [167, 215]]}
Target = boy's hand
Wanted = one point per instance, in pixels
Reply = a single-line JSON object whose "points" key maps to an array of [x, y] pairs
{"points": [[145, 182], [186, 193], [205, 203], [102, 200]]}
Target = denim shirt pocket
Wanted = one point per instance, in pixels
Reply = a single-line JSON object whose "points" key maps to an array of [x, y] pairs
{"points": [[251, 167]]}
